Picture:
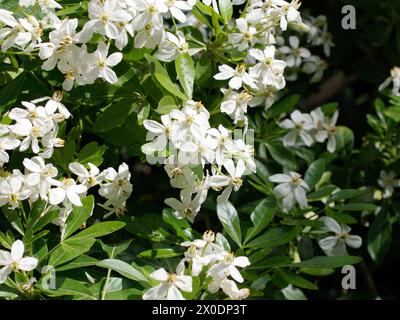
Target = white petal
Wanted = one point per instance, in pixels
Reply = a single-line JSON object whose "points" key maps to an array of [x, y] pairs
{"points": [[27, 264], [17, 250], [160, 275]]}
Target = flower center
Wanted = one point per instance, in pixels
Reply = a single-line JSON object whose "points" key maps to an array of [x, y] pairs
{"points": [[102, 63], [104, 18], [176, 172], [13, 197], [36, 132], [171, 278], [237, 182]]}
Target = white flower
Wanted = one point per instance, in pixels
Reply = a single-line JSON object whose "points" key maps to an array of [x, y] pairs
{"points": [[103, 63], [104, 18], [206, 247], [316, 66], [149, 36], [7, 143], [12, 191], [228, 267], [232, 182], [39, 174], [160, 132], [118, 185], [224, 142], [319, 131], [294, 53], [291, 189], [330, 126], [15, 260], [388, 181], [187, 207], [76, 68], [62, 40], [170, 285], [14, 33], [197, 261], [176, 7], [395, 78], [67, 189], [336, 245], [31, 133], [246, 37], [235, 105], [229, 287], [290, 13], [299, 125], [237, 76], [54, 103], [89, 178], [150, 13], [182, 177], [269, 69], [173, 45]]}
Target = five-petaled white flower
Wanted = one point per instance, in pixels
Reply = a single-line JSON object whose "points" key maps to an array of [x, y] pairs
{"points": [[291, 189], [14, 260], [170, 285], [336, 245]]}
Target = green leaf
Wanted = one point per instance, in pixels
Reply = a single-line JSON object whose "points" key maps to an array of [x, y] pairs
{"points": [[161, 76], [160, 253], [113, 117], [98, 230], [181, 226], [13, 218], [78, 216], [80, 262], [328, 262], [321, 193], [229, 218], [93, 153], [10, 92], [356, 206], [379, 236], [285, 105], [69, 250], [69, 287], [226, 10], [186, 73], [296, 280], [393, 113], [166, 105], [260, 217], [275, 237], [344, 138], [276, 261], [122, 268], [222, 241], [314, 173], [115, 249], [345, 194], [282, 155]]}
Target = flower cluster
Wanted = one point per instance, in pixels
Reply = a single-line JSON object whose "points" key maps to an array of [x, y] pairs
{"points": [[202, 255], [306, 129], [187, 139], [258, 33], [35, 128]]}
